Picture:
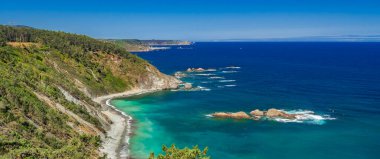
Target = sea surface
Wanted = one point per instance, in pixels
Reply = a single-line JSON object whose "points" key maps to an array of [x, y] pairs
{"points": [[335, 85]]}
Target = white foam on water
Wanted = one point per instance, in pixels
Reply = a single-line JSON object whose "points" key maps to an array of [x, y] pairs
{"points": [[205, 74], [209, 115], [206, 82], [305, 116], [216, 77], [229, 71], [223, 81], [233, 67], [210, 70], [302, 116], [199, 88]]}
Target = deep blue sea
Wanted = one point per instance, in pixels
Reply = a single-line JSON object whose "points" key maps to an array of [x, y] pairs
{"points": [[338, 83]]}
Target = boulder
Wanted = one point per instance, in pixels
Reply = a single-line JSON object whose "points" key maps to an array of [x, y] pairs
{"points": [[257, 113], [187, 86], [273, 113], [221, 115], [190, 69], [240, 115]]}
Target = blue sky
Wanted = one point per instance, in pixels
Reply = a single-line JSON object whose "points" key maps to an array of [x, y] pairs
{"points": [[198, 19]]}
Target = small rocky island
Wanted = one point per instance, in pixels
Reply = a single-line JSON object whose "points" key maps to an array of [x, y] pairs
{"points": [[256, 114]]}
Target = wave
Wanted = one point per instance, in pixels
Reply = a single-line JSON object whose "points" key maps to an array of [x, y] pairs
{"points": [[305, 116], [229, 71], [216, 77], [210, 70], [230, 85], [223, 81], [233, 67], [205, 74], [200, 88]]}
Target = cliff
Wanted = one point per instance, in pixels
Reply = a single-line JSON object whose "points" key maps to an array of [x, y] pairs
{"points": [[48, 84]]}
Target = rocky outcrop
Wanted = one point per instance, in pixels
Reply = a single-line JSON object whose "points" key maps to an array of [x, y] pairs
{"points": [[256, 114], [154, 79], [195, 70], [179, 74], [237, 115], [187, 85], [275, 113]]}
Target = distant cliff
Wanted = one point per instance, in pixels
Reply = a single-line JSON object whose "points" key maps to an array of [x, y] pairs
{"points": [[47, 85], [134, 45]]}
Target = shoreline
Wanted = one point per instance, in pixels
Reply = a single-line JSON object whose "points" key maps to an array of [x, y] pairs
{"points": [[118, 136]]}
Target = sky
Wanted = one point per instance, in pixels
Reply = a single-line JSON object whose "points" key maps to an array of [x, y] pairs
{"points": [[200, 20]]}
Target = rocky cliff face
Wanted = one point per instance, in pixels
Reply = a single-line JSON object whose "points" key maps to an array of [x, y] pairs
{"points": [[154, 79]]}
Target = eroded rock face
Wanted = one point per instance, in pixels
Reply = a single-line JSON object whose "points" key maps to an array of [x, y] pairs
{"points": [[154, 79], [237, 115]]}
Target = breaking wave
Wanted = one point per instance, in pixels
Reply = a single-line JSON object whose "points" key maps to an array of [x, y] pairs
{"points": [[216, 77], [223, 81], [306, 116], [233, 67], [229, 71], [205, 74]]}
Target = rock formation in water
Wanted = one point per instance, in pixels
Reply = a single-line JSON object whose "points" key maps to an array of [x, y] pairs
{"points": [[256, 114], [195, 70], [237, 115]]}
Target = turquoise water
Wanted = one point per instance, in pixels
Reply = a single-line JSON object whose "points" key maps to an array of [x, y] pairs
{"points": [[339, 82]]}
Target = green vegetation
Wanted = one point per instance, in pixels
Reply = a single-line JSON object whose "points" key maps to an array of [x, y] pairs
{"points": [[186, 153], [143, 45], [43, 75], [38, 63]]}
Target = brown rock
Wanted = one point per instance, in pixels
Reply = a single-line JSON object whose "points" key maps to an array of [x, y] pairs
{"points": [[240, 115], [274, 113], [237, 115], [257, 113], [187, 86], [221, 115]]}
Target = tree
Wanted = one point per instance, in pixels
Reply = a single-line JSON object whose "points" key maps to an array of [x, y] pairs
{"points": [[186, 153]]}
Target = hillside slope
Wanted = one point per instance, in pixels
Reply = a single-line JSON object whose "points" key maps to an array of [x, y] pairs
{"points": [[135, 45], [47, 82]]}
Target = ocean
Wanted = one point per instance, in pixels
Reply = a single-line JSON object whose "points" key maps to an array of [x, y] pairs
{"points": [[337, 85]]}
